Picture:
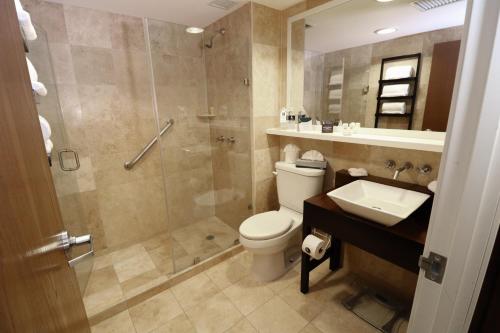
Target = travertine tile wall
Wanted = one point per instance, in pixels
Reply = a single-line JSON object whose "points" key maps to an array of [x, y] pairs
{"points": [[228, 63], [266, 74], [102, 79], [313, 82]]}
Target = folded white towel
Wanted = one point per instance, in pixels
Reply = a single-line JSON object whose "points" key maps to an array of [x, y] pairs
{"points": [[394, 108], [357, 172], [335, 93], [432, 186], [38, 87], [313, 155], [336, 79], [25, 21], [32, 71], [398, 72], [48, 146], [45, 126], [395, 90]]}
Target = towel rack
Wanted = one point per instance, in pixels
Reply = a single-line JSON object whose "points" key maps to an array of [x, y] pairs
{"points": [[130, 164]]}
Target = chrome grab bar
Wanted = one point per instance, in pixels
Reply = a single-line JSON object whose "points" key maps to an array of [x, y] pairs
{"points": [[130, 164]]}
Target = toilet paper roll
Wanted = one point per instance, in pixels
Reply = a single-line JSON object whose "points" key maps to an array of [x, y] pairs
{"points": [[314, 246]]}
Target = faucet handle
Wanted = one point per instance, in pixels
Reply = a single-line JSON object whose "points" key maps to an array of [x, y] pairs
{"points": [[408, 165], [424, 169], [390, 164]]}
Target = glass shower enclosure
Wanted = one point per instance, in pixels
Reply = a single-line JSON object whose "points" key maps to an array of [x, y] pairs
{"points": [[161, 128]]}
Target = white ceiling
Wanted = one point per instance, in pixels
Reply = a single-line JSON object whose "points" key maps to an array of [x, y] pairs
{"points": [[353, 23], [188, 12]]}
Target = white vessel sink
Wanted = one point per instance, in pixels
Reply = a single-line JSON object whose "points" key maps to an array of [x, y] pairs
{"points": [[384, 204]]}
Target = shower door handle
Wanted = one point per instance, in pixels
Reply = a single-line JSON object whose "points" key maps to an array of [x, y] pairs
{"points": [[61, 160], [67, 242]]}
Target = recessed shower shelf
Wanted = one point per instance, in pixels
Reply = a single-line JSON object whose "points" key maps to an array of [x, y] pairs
{"points": [[206, 115]]}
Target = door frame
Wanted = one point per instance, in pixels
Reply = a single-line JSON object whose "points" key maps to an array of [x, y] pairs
{"points": [[465, 219]]}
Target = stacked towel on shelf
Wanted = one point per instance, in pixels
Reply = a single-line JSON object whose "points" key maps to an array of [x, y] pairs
{"points": [[335, 94], [25, 22], [336, 79], [399, 72], [38, 87], [395, 90], [394, 108]]}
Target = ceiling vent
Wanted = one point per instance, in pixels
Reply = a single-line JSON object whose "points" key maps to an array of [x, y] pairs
{"points": [[223, 4], [425, 5]]}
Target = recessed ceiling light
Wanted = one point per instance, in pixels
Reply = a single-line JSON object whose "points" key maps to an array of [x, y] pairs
{"points": [[194, 30], [384, 0], [385, 31]]}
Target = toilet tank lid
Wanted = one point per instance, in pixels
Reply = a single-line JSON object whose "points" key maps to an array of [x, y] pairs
{"points": [[300, 171]]}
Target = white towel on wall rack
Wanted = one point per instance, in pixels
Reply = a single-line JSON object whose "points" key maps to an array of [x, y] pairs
{"points": [[37, 86], [394, 108], [335, 94], [336, 79], [45, 126], [25, 21], [398, 72], [395, 90]]}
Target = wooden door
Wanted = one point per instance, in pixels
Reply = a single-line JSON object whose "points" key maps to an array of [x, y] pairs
{"points": [[38, 290], [441, 83]]}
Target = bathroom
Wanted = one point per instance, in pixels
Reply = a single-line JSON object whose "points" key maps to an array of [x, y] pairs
{"points": [[173, 137]]}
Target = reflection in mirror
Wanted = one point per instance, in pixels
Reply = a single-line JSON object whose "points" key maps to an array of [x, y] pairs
{"points": [[380, 64]]}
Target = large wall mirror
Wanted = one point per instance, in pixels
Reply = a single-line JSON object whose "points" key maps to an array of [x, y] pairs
{"points": [[382, 63]]}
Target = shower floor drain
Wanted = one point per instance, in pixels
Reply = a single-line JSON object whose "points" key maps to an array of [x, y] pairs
{"points": [[210, 237]]}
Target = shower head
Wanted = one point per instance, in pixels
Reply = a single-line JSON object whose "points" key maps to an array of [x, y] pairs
{"points": [[210, 43]]}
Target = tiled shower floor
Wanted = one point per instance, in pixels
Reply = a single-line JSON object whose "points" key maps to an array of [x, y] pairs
{"points": [[122, 274]]}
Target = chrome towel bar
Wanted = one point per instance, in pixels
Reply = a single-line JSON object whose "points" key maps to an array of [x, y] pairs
{"points": [[130, 164]]}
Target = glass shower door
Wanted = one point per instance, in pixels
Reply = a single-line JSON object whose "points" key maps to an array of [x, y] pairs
{"points": [[201, 81], [67, 175]]}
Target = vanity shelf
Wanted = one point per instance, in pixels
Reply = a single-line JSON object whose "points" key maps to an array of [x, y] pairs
{"points": [[393, 138], [401, 244]]}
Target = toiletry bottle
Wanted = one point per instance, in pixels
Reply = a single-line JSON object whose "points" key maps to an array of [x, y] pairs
{"points": [[283, 118]]}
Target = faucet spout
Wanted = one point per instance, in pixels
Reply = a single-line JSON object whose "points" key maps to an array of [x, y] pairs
{"points": [[406, 166]]}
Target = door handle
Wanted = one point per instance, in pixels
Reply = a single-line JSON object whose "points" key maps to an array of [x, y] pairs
{"points": [[61, 159], [67, 242]]}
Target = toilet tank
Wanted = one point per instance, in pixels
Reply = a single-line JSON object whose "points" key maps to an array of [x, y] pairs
{"points": [[297, 184]]}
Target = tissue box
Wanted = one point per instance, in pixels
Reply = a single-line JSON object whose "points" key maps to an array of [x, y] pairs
{"points": [[310, 164]]}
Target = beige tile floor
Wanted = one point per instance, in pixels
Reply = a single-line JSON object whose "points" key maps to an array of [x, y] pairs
{"points": [[127, 272], [225, 298]]}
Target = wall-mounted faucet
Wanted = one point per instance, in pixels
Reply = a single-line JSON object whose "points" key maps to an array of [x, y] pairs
{"points": [[390, 164]]}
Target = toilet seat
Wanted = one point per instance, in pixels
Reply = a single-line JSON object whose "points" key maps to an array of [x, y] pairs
{"points": [[265, 226]]}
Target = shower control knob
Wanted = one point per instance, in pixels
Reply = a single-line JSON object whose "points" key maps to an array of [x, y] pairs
{"points": [[231, 140], [221, 138]]}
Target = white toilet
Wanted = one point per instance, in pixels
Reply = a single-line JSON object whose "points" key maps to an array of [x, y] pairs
{"points": [[267, 235]]}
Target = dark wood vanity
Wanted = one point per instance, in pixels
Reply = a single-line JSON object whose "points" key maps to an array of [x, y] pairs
{"points": [[401, 244]]}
